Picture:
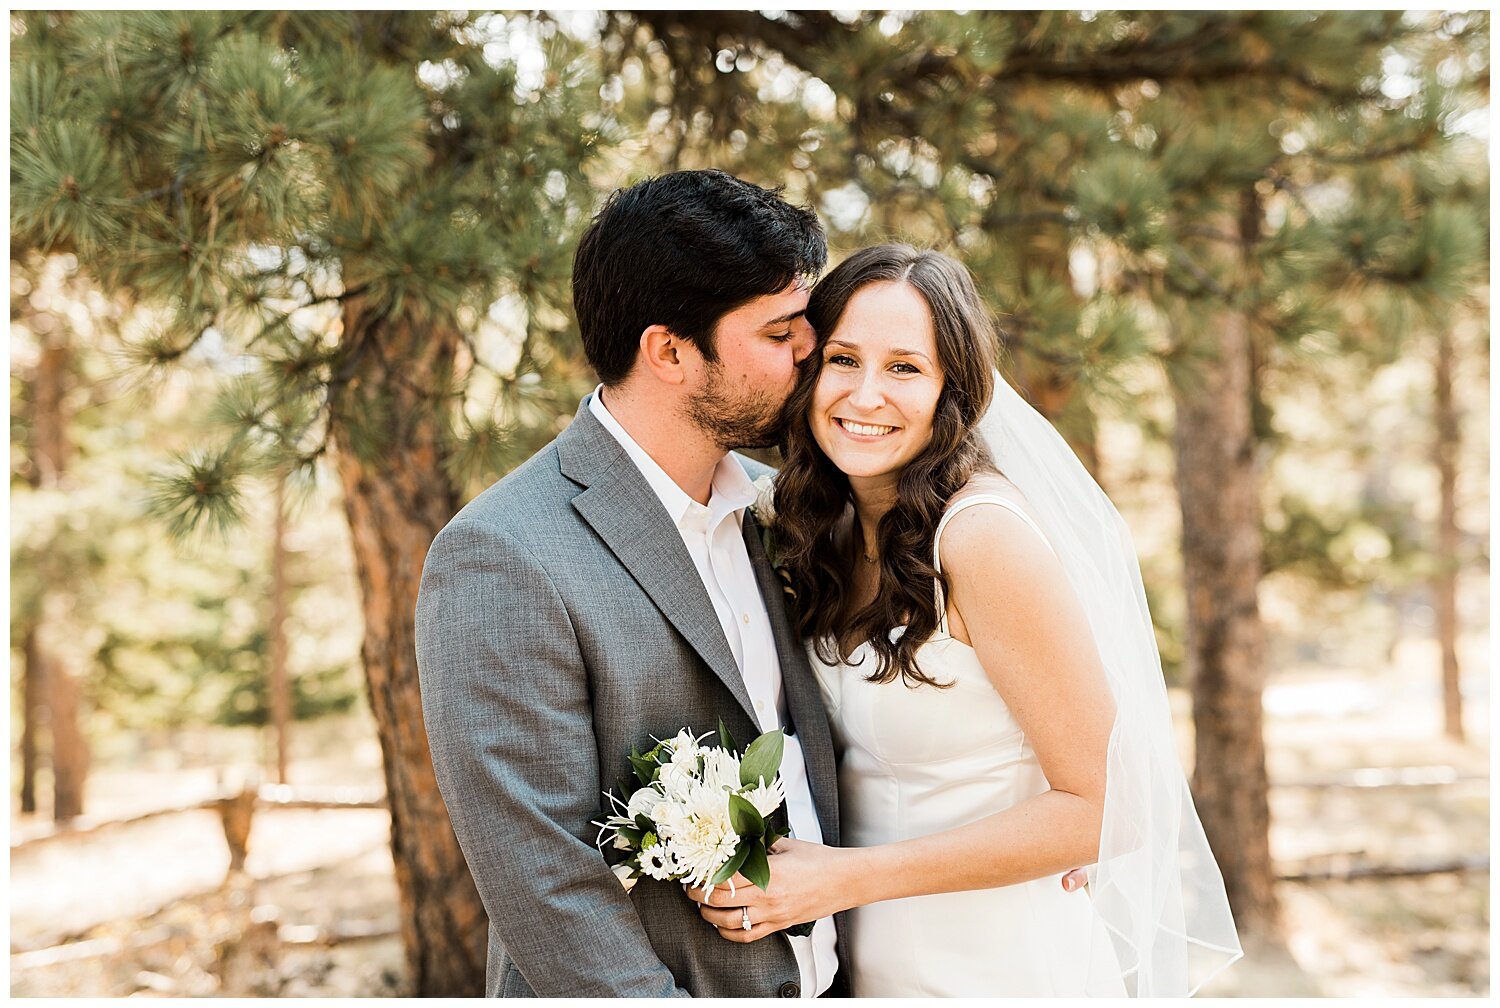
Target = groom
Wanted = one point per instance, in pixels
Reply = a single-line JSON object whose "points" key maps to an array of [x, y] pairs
{"points": [[613, 589]]}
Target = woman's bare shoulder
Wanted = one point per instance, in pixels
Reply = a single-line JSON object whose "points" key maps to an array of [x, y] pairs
{"points": [[980, 538], [989, 484]]}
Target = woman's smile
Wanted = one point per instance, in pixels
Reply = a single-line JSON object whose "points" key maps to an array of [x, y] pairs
{"points": [[864, 431]]}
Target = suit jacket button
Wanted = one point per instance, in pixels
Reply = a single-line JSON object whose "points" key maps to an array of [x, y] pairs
{"points": [[790, 989]]}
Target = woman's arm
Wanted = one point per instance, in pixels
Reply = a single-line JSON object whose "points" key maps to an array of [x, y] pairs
{"points": [[1023, 620]]}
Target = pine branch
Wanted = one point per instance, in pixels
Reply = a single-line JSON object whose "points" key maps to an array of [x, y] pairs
{"points": [[1421, 142], [285, 318], [1284, 184], [1202, 231], [1015, 336], [202, 491], [805, 46], [1205, 279], [1002, 221]]}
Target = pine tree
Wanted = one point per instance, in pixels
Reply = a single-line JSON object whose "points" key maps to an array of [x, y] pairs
{"points": [[153, 636], [371, 216], [1415, 254]]}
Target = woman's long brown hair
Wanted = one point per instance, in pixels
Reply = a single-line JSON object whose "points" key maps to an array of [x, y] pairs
{"points": [[812, 494]]}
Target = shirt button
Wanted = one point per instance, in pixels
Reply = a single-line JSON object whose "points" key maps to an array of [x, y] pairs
{"points": [[760, 705], [789, 989], [746, 618]]}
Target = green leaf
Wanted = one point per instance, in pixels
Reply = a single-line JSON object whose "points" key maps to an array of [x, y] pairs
{"points": [[744, 819], [762, 759], [755, 867], [725, 739], [733, 864], [645, 767]]}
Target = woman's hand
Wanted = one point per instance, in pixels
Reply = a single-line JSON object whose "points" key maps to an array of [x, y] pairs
{"points": [[808, 882]]}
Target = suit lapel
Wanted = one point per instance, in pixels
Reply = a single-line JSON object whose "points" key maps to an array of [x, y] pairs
{"points": [[803, 699], [620, 506]]}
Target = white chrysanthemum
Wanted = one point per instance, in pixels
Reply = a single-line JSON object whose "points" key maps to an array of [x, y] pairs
{"points": [[721, 770], [670, 816], [642, 802], [709, 803], [702, 847], [677, 779], [684, 748], [626, 875], [766, 798]]}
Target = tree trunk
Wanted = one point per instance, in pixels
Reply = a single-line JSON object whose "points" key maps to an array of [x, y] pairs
{"points": [[1218, 489], [33, 697], [1445, 582], [70, 750], [279, 685], [49, 433], [397, 498], [50, 451], [1218, 486]]}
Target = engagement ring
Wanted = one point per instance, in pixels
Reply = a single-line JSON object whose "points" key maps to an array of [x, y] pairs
{"points": [[745, 918]]}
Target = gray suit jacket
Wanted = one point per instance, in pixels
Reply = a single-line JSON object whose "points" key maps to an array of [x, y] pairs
{"points": [[561, 622]]}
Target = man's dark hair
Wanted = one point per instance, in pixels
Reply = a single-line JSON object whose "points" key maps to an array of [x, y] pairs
{"points": [[682, 251]]}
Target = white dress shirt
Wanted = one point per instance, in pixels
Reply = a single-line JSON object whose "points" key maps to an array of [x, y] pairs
{"points": [[713, 539]]}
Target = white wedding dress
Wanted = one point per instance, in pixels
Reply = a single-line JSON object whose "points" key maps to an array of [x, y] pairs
{"points": [[917, 762]]}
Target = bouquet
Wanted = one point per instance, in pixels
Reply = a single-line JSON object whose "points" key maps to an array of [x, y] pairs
{"points": [[698, 814]]}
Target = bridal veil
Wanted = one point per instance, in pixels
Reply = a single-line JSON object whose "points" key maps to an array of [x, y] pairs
{"points": [[1156, 884]]}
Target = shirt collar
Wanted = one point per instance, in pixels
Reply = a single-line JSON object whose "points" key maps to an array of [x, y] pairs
{"points": [[731, 489]]}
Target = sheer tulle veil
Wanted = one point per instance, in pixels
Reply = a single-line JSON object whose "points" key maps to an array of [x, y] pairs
{"points": [[1156, 884]]}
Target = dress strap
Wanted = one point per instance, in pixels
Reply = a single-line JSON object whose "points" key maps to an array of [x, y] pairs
{"points": [[937, 538]]}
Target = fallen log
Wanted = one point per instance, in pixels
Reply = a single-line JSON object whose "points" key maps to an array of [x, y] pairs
{"points": [[278, 796], [1385, 777], [1413, 869]]}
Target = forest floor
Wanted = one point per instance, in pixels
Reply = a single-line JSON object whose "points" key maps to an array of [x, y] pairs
{"points": [[145, 909]]}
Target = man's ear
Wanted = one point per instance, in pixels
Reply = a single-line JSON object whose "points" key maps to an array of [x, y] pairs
{"points": [[662, 354]]}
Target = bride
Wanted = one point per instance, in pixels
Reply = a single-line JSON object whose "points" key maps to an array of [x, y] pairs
{"points": [[979, 629]]}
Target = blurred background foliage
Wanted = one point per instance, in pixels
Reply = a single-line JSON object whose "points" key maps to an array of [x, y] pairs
{"points": [[328, 252], [165, 636]]}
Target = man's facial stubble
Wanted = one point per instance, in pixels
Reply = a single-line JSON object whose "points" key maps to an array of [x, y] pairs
{"points": [[747, 420]]}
